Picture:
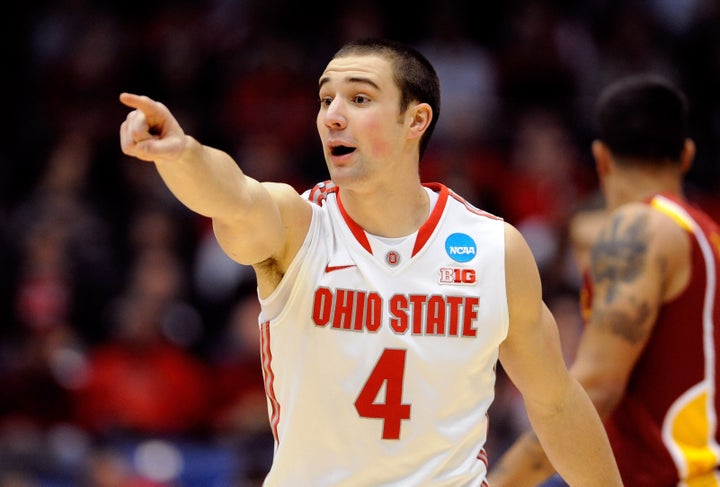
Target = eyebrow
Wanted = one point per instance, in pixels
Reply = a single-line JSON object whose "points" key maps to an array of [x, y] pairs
{"points": [[351, 79]]}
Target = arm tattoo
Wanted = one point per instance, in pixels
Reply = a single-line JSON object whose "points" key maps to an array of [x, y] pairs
{"points": [[619, 257], [619, 254], [626, 325]]}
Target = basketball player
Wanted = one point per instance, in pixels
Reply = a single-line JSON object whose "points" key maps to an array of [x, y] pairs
{"points": [[648, 355], [385, 302]]}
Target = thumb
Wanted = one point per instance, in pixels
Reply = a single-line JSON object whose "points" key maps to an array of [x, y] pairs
{"points": [[166, 149]]}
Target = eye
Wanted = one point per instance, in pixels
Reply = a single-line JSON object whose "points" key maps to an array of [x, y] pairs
{"points": [[361, 99], [325, 101]]}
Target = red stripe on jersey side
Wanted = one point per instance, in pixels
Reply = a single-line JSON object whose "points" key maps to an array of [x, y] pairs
{"points": [[269, 377], [472, 209], [431, 223], [356, 229], [482, 456]]}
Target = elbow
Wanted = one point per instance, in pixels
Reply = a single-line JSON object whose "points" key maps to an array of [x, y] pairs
{"points": [[605, 397], [605, 388]]}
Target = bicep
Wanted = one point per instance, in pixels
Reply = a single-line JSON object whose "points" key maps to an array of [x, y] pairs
{"points": [[531, 353], [533, 361], [272, 227]]}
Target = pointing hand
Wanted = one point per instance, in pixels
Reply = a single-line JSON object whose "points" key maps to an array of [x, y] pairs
{"points": [[150, 132]]}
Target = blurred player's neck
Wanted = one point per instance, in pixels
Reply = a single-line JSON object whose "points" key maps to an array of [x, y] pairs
{"points": [[635, 184]]}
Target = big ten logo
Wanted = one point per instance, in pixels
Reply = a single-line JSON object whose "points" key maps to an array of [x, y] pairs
{"points": [[454, 275]]}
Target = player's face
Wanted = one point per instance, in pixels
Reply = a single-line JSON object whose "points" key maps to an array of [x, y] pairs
{"points": [[359, 123]]}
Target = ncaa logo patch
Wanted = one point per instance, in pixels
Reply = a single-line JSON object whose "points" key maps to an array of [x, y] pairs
{"points": [[460, 247]]}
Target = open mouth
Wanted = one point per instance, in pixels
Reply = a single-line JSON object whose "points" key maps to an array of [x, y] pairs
{"points": [[341, 150]]}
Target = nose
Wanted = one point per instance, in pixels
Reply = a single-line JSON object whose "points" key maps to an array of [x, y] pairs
{"points": [[333, 115]]}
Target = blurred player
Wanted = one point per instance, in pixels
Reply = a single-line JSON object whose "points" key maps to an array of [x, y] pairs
{"points": [[648, 355]]}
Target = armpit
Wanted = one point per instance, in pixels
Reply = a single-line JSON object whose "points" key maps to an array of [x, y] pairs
{"points": [[269, 275]]}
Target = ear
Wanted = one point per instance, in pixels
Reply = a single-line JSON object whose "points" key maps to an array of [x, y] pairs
{"points": [[603, 158], [421, 116], [687, 155]]}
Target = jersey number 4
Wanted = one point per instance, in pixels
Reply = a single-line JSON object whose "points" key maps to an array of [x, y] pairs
{"points": [[389, 370]]}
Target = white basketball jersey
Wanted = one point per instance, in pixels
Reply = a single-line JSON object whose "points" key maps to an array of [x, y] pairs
{"points": [[379, 361]]}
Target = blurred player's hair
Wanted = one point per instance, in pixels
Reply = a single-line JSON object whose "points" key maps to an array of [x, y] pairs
{"points": [[643, 117]]}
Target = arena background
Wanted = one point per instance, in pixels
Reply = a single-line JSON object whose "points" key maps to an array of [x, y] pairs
{"points": [[128, 347]]}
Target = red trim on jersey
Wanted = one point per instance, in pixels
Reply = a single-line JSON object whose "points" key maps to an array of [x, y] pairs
{"points": [[269, 377], [356, 229], [313, 193], [426, 229], [319, 192], [473, 209], [431, 223]]}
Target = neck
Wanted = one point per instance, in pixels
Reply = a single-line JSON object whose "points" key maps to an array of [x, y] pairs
{"points": [[392, 212], [633, 184]]}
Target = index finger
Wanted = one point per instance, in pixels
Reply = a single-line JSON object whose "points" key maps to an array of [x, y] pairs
{"points": [[140, 102]]}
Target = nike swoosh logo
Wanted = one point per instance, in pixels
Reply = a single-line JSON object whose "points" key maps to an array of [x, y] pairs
{"points": [[331, 268]]}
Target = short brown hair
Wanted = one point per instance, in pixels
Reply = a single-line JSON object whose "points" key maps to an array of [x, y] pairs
{"points": [[413, 73]]}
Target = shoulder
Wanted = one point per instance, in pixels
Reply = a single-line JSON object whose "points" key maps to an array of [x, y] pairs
{"points": [[521, 272], [461, 203], [640, 224], [637, 240], [515, 243], [295, 210], [283, 191]]}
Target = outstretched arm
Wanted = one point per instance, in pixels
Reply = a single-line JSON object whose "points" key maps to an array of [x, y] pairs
{"points": [[253, 221], [559, 410]]}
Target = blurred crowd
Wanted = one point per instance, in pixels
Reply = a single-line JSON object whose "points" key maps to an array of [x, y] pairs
{"points": [[128, 341]]}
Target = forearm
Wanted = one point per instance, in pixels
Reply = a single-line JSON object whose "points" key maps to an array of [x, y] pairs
{"points": [[575, 441], [206, 180], [522, 465]]}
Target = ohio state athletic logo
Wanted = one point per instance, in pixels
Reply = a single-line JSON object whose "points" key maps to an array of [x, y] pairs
{"points": [[392, 258], [456, 276]]}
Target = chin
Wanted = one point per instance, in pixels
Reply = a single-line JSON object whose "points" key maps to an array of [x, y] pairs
{"points": [[340, 175]]}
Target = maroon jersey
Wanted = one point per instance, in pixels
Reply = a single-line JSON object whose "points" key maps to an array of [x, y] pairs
{"points": [[664, 430]]}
